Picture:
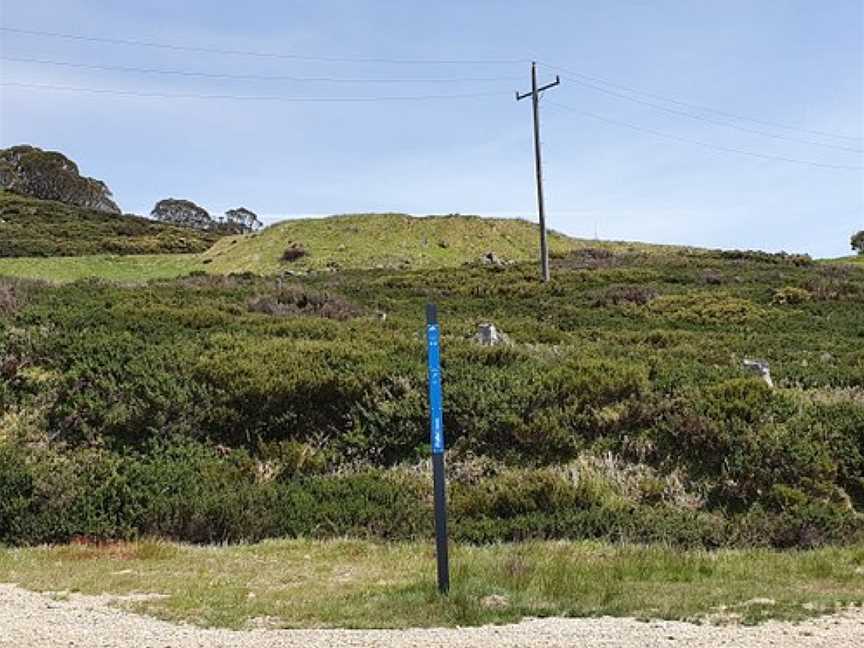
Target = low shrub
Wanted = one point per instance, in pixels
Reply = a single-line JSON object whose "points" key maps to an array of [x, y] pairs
{"points": [[293, 252], [190, 492], [296, 300], [8, 299], [617, 295], [585, 258], [706, 309], [766, 257], [790, 296], [16, 493], [713, 277]]}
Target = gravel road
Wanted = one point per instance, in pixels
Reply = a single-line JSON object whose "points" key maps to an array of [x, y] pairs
{"points": [[34, 620]]}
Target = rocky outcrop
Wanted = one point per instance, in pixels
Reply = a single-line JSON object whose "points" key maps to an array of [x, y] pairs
{"points": [[49, 175], [182, 212]]}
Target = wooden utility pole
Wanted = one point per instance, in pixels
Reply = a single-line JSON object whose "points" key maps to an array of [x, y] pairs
{"points": [[538, 164]]}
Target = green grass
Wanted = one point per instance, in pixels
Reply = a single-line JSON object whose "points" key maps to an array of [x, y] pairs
{"points": [[355, 584], [133, 268], [389, 241], [856, 259]]}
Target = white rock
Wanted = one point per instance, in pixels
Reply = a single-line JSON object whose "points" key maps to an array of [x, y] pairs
{"points": [[488, 335]]}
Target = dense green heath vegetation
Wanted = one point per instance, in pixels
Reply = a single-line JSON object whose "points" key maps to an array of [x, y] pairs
{"points": [[212, 408]]}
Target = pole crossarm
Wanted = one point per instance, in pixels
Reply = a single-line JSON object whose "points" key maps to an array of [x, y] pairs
{"points": [[557, 81]]}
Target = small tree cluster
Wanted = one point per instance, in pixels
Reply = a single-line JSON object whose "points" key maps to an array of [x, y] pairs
{"points": [[241, 219], [858, 242], [182, 212], [188, 214]]}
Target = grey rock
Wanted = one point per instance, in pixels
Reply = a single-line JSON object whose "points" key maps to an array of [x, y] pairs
{"points": [[490, 258], [760, 368]]}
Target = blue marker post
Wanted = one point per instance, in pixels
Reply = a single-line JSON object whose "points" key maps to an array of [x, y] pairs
{"points": [[436, 430]]}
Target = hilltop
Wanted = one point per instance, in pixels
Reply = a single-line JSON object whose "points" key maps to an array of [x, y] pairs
{"points": [[30, 227], [396, 241]]}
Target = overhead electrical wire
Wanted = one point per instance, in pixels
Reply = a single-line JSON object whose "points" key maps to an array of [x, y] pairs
{"points": [[255, 53], [572, 75], [304, 57], [250, 77], [274, 98], [709, 120], [726, 149], [703, 108]]}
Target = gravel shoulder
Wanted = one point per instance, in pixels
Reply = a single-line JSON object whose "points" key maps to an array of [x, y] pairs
{"points": [[38, 621]]}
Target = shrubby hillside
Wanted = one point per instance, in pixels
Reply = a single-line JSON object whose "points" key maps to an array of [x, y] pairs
{"points": [[213, 408], [42, 228]]}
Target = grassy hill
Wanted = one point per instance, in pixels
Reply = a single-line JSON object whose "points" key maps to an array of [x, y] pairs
{"points": [[380, 240], [43, 228], [361, 241]]}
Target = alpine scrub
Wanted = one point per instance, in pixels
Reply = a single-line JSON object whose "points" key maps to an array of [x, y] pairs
{"points": [[236, 408]]}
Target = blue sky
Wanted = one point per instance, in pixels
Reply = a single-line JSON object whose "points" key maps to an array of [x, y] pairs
{"points": [[794, 64]]}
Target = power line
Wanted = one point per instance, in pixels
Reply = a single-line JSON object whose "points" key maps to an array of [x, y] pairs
{"points": [[709, 120], [726, 149], [274, 98], [697, 106], [260, 54], [248, 77]]}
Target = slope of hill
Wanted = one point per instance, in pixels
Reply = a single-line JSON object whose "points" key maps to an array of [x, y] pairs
{"points": [[380, 240], [230, 408], [39, 228]]}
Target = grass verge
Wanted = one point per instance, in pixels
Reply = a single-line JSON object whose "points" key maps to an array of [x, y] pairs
{"points": [[104, 266], [357, 584]]}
